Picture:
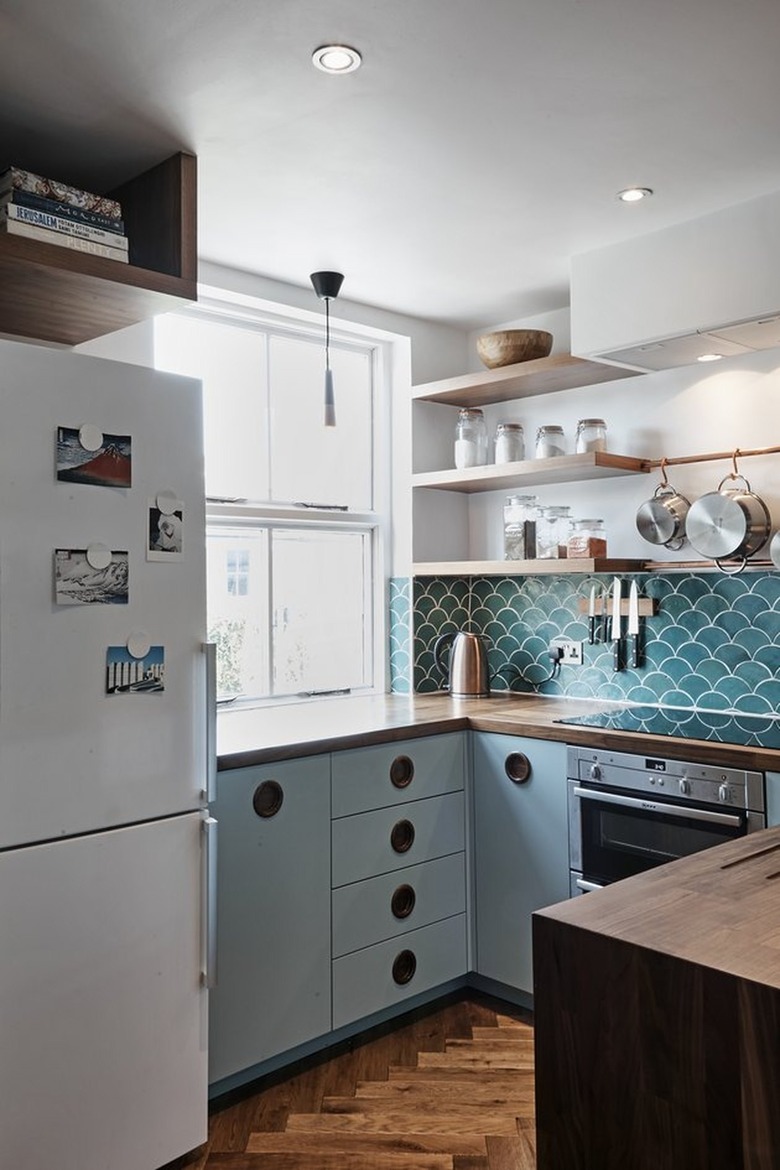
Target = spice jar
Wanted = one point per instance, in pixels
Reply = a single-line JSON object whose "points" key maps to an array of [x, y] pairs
{"points": [[591, 435], [509, 443], [552, 532], [471, 442], [520, 514], [549, 442], [587, 539]]}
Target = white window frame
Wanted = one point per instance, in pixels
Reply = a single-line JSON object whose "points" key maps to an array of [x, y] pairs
{"points": [[233, 514]]}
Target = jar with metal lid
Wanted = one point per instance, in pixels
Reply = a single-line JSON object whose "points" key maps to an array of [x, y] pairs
{"points": [[471, 440], [550, 442], [552, 531], [591, 435], [587, 539], [509, 443], [520, 514]]}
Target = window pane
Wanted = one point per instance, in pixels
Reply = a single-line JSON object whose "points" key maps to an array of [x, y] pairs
{"points": [[231, 362], [310, 462], [238, 610], [320, 611]]}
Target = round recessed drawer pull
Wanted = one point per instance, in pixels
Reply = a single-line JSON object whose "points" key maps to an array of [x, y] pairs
{"points": [[402, 836], [402, 901], [268, 798], [401, 772], [404, 967], [517, 767]]}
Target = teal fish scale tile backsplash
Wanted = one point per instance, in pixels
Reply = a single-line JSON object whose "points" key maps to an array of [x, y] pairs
{"points": [[713, 644]]}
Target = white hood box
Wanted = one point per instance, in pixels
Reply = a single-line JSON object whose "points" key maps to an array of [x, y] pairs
{"points": [[709, 285]]}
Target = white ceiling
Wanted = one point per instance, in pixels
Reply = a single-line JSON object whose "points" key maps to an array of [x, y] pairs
{"points": [[452, 177]]}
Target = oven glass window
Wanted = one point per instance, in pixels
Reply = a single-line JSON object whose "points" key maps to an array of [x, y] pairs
{"points": [[617, 843]]}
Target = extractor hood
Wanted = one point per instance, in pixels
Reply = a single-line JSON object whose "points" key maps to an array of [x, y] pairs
{"points": [[706, 286]]}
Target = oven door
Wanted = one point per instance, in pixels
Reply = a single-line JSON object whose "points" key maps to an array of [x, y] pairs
{"points": [[614, 834]]}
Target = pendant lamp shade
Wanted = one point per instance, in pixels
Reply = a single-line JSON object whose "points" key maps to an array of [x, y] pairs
{"points": [[327, 286]]}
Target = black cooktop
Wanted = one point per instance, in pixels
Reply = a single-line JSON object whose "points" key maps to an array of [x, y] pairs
{"points": [[743, 730]]}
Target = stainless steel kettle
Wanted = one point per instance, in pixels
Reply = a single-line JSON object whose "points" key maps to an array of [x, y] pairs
{"points": [[467, 670]]}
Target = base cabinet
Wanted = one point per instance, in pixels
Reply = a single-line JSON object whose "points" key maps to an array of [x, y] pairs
{"points": [[520, 848], [273, 925]]}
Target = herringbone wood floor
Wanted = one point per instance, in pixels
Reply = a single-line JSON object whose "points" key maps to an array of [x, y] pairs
{"points": [[450, 1090]]}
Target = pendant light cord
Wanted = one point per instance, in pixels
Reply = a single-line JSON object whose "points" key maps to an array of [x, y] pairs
{"points": [[327, 333]]}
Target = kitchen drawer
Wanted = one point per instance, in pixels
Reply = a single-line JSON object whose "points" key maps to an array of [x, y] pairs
{"points": [[392, 773], [364, 982], [388, 839], [384, 907]]}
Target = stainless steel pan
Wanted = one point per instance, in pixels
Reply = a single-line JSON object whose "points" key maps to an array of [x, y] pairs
{"points": [[732, 522]]}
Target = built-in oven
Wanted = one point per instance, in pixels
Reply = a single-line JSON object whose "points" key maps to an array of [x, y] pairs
{"points": [[629, 813]]}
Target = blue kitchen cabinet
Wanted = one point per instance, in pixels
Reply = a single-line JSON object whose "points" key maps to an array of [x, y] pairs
{"points": [[520, 848], [273, 925]]}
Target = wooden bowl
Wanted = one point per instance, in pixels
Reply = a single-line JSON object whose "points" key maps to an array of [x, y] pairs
{"points": [[507, 346]]}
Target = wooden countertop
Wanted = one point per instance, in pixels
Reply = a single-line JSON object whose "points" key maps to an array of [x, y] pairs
{"points": [[719, 909], [264, 734]]}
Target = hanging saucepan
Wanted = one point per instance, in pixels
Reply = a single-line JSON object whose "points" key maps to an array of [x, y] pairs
{"points": [[661, 520], [733, 523]]}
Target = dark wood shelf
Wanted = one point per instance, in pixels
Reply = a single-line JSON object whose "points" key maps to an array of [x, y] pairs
{"points": [[50, 292]]}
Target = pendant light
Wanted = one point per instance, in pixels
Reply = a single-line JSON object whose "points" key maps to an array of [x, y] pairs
{"points": [[327, 286]]}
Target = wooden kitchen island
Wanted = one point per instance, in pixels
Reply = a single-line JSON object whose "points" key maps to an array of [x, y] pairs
{"points": [[657, 1018]]}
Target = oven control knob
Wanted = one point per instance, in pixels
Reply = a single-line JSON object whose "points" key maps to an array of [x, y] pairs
{"points": [[595, 771], [724, 793], [685, 787]]}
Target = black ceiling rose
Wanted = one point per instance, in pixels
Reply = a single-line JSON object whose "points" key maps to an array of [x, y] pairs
{"points": [[327, 285]]}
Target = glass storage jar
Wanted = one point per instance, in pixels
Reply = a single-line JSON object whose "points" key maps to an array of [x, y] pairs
{"points": [[471, 441], [552, 531], [550, 442], [591, 435], [520, 514], [509, 445], [587, 539]]}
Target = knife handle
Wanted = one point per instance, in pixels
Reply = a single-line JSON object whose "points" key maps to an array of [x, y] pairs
{"points": [[617, 655], [635, 650], [591, 630]]}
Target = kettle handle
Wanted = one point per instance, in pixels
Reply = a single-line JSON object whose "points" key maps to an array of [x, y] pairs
{"points": [[439, 646]]}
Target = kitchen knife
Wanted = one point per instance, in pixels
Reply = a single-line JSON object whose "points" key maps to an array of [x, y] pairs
{"points": [[633, 623], [592, 616], [617, 663]]}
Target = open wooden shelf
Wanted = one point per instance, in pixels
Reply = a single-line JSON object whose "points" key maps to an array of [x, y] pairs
{"points": [[51, 292], [543, 376], [561, 469], [535, 568]]}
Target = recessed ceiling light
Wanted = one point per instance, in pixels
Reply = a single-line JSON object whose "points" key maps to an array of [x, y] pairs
{"points": [[709, 357], [336, 59], [634, 194]]}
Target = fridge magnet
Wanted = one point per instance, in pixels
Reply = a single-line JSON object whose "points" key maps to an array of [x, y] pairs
{"points": [[91, 576], [166, 526], [128, 674], [79, 460]]}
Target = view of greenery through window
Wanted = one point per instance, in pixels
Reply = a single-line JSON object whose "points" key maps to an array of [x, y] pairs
{"points": [[292, 531]]}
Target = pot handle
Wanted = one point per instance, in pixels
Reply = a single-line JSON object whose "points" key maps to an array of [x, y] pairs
{"points": [[732, 572], [439, 646], [732, 475]]}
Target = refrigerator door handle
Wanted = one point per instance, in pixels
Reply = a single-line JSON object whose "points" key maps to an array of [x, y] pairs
{"points": [[208, 975], [210, 651]]}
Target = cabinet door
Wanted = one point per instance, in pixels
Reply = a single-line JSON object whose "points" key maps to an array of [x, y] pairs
{"points": [[521, 849], [273, 926]]}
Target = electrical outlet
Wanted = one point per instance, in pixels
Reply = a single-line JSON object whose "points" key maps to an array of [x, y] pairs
{"points": [[572, 651]]}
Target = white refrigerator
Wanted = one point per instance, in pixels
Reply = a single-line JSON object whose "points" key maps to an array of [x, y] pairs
{"points": [[105, 756]]}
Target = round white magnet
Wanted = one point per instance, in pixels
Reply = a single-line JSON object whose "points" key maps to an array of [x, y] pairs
{"points": [[98, 556], [138, 644], [166, 503], [91, 438]]}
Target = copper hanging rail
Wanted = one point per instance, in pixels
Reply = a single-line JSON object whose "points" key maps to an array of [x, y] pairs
{"points": [[735, 454]]}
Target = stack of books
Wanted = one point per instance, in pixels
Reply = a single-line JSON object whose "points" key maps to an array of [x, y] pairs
{"points": [[55, 213]]}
